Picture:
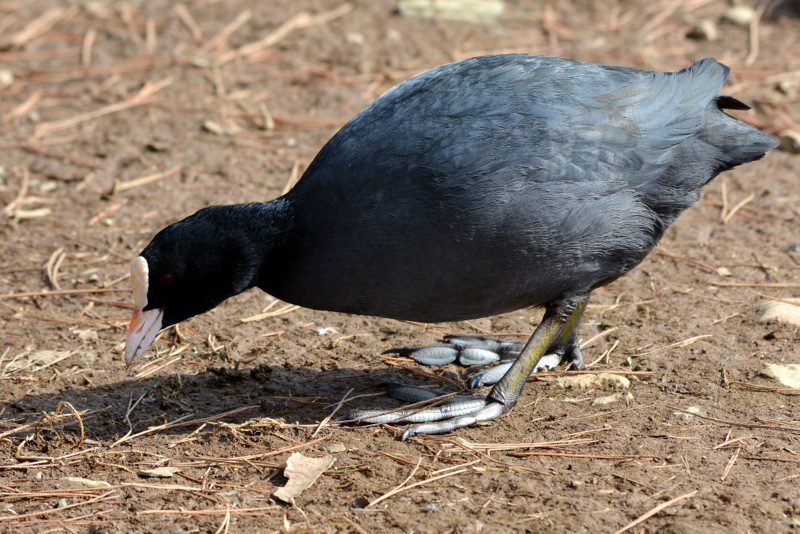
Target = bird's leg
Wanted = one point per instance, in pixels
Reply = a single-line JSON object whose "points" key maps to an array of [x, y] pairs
{"points": [[482, 350], [557, 331]]}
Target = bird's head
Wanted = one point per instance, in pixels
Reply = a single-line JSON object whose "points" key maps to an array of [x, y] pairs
{"points": [[188, 268]]}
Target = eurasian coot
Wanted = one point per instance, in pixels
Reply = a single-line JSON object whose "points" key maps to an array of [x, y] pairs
{"points": [[472, 189]]}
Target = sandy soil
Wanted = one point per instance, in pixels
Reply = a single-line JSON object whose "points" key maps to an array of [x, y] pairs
{"points": [[107, 93]]}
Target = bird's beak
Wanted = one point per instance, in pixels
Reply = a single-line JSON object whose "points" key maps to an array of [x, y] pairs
{"points": [[144, 324]]}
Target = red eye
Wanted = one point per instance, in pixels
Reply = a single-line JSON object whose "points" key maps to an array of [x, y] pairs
{"points": [[166, 279]]}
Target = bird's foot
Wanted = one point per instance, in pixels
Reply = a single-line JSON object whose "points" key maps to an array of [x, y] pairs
{"points": [[449, 412], [452, 411], [483, 350]]}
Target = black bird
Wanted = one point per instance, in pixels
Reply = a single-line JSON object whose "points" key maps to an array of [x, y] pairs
{"points": [[472, 189]]}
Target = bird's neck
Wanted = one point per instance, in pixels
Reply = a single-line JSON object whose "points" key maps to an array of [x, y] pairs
{"points": [[267, 227]]}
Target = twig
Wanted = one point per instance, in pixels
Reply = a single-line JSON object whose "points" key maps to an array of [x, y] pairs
{"points": [[644, 517], [137, 100], [756, 284], [414, 485], [150, 37], [86, 48], [144, 180], [731, 463], [187, 19], [299, 21], [737, 207], [41, 24], [102, 497], [330, 416], [226, 521], [23, 108], [235, 511], [690, 261], [226, 32], [52, 266], [677, 344], [594, 338], [11, 209], [775, 389], [591, 456], [59, 292], [286, 309], [788, 428], [181, 422], [77, 417], [754, 32]]}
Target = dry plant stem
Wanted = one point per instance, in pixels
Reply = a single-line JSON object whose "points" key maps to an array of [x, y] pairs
{"points": [[731, 463], [737, 207], [226, 521], [139, 99], [594, 338], [52, 266], [104, 497], [11, 209], [754, 32], [77, 417], [60, 292], [330, 416], [756, 284], [774, 389], [495, 447], [783, 427], [144, 180], [219, 39], [258, 317], [179, 422], [348, 521], [299, 21], [41, 24], [590, 456], [654, 511], [414, 485], [86, 49], [187, 19], [236, 511], [690, 261], [23, 108]]}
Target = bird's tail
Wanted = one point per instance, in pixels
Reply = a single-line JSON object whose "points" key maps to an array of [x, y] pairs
{"points": [[738, 141]]}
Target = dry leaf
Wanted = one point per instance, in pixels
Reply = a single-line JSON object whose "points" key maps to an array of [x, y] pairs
{"points": [[788, 375], [78, 482], [688, 416], [785, 311], [36, 361], [301, 472], [594, 381], [470, 10], [626, 397], [158, 472]]}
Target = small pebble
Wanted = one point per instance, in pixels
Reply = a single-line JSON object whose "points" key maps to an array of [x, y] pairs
{"points": [[706, 30], [741, 15], [789, 141], [6, 78]]}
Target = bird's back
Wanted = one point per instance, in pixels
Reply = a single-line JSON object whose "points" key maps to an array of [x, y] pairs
{"points": [[500, 182]]}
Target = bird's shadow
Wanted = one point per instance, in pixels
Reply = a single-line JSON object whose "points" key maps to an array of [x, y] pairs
{"points": [[295, 395]]}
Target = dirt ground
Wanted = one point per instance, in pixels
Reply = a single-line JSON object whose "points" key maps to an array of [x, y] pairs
{"points": [[119, 118]]}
